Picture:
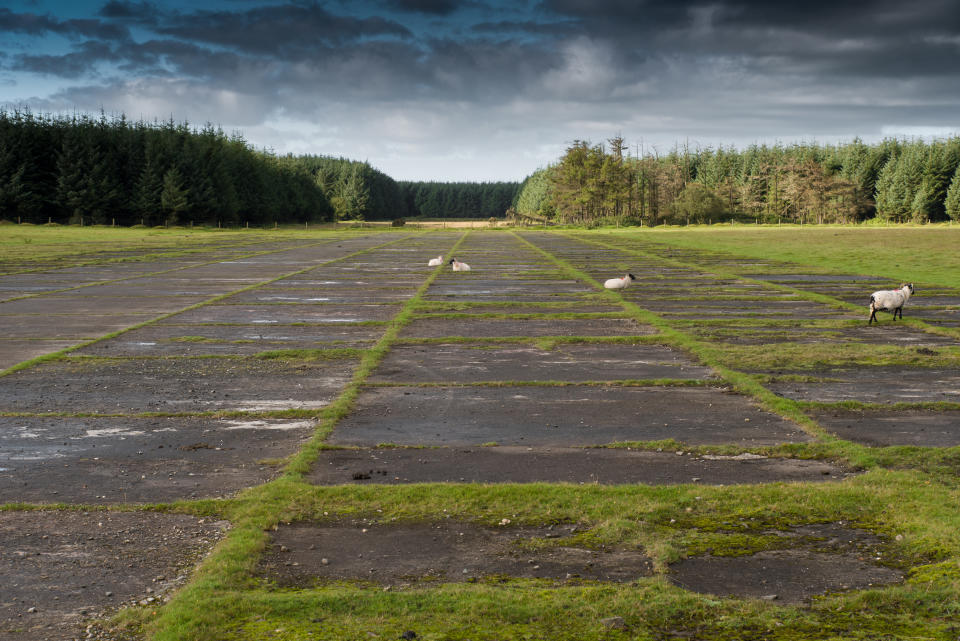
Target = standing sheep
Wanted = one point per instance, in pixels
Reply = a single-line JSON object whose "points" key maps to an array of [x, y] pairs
{"points": [[620, 283], [890, 300]]}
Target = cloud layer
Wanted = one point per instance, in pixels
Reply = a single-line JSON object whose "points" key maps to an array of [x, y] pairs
{"points": [[436, 89]]}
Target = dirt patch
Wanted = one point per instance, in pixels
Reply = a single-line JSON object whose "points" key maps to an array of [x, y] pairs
{"points": [[60, 569], [173, 385], [820, 559], [883, 428], [558, 416], [874, 385], [393, 466], [121, 460], [495, 327], [465, 363], [306, 554]]}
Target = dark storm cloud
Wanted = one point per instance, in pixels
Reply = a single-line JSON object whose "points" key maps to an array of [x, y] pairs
{"points": [[434, 7], [39, 25], [132, 11], [508, 27], [77, 63], [278, 30]]}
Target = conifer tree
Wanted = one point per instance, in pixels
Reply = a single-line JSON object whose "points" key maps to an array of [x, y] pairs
{"points": [[952, 202], [173, 198]]}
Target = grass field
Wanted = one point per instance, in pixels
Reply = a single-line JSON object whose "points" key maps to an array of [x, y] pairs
{"points": [[905, 254], [907, 495]]}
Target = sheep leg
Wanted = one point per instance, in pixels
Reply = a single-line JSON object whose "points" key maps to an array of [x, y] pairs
{"points": [[899, 309], [873, 315]]}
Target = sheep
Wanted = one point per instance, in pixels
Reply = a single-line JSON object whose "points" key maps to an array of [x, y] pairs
{"points": [[458, 266], [620, 283], [433, 262], [890, 300]]}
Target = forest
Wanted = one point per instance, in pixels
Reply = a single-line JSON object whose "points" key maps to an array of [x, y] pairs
{"points": [[891, 181], [104, 170]]}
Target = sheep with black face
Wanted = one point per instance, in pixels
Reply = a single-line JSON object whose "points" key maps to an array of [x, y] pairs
{"points": [[890, 300]]}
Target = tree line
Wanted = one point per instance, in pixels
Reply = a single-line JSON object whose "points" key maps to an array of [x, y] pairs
{"points": [[894, 180], [103, 170], [458, 199], [83, 169]]}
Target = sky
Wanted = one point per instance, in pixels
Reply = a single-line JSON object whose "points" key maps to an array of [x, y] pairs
{"points": [[486, 90]]}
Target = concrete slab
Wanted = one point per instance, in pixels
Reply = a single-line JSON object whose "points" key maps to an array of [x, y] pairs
{"points": [[74, 328], [127, 386], [494, 327], [15, 351], [520, 308], [287, 296], [74, 304], [518, 464], [558, 416], [74, 566], [231, 340], [875, 385], [304, 554], [820, 559], [466, 363], [285, 314], [889, 428], [140, 460]]}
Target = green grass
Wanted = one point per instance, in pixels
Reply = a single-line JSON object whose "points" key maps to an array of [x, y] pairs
{"points": [[901, 254]]}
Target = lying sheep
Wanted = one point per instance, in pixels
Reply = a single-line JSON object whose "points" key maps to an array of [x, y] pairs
{"points": [[433, 262], [620, 283], [458, 266], [890, 300]]}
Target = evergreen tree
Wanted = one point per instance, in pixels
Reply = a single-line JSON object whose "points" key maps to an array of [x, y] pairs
{"points": [[173, 198], [952, 202]]}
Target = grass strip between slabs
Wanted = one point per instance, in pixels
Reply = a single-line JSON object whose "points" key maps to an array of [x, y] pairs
{"points": [[56, 355]]}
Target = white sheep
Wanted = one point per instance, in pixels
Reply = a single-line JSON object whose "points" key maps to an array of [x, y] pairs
{"points": [[890, 300], [620, 283], [458, 266], [433, 262]]}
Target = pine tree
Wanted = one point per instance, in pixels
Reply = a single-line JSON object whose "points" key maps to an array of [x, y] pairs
{"points": [[952, 202], [173, 198]]}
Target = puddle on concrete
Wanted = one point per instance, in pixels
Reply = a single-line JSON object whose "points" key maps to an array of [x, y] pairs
{"points": [[305, 554], [817, 559]]}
